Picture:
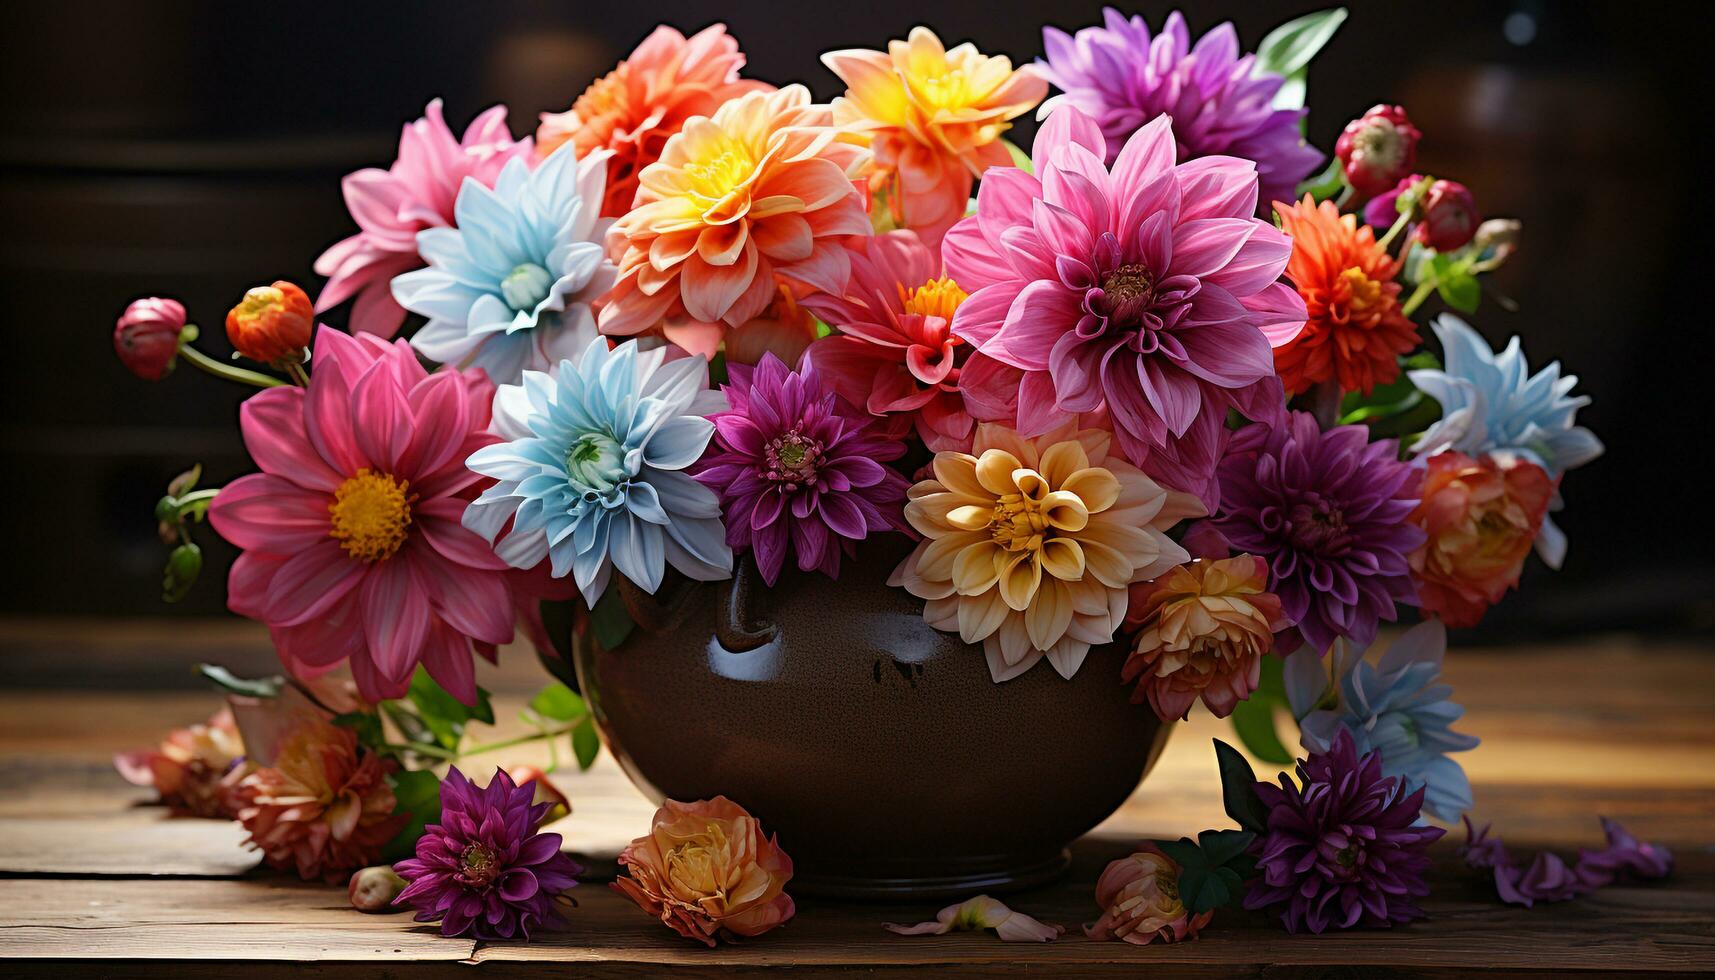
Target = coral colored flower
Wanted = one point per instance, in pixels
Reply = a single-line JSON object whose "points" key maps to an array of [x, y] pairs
{"points": [[323, 809], [484, 869], [934, 119], [798, 472], [1450, 217], [513, 286], [1355, 331], [1205, 629], [1030, 544], [1328, 511], [1481, 516], [271, 323], [1343, 845], [1123, 78], [591, 475], [391, 206], [1140, 902], [707, 871], [193, 768], [895, 353], [1149, 290], [764, 187], [982, 912], [1492, 405], [1377, 149], [353, 550], [633, 109], [146, 337], [1399, 708]]}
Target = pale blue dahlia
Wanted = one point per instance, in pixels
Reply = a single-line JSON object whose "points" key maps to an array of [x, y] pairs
{"points": [[1396, 707], [1492, 405], [510, 287], [591, 477]]}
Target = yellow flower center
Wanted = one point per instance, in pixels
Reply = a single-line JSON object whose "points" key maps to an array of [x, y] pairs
{"points": [[1019, 524], [371, 515], [937, 297], [1361, 292], [718, 174], [947, 90]]}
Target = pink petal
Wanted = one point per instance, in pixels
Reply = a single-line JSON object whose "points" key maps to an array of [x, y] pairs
{"points": [[381, 418], [310, 582], [396, 618], [270, 513], [273, 426]]}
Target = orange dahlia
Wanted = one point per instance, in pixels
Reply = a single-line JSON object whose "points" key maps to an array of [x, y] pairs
{"points": [[762, 190], [645, 99], [1355, 331]]}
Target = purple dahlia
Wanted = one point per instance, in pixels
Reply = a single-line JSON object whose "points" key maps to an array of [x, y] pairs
{"points": [[798, 470], [1342, 848], [484, 870], [1328, 511], [1123, 77]]}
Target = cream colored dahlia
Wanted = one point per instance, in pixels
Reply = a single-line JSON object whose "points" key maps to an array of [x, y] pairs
{"points": [[1030, 544]]}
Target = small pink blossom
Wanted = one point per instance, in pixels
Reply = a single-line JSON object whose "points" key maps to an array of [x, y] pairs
{"points": [[1139, 896], [982, 912]]}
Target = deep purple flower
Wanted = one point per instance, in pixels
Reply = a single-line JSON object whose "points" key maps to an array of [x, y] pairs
{"points": [[1342, 847], [1547, 878], [484, 870], [1328, 511], [1624, 853], [1123, 77], [798, 470]]}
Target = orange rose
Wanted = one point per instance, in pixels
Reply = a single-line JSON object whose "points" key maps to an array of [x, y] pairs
{"points": [[705, 869], [272, 323], [1482, 516]]}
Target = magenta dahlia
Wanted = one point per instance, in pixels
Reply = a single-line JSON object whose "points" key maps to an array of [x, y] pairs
{"points": [[799, 471], [1150, 290], [1123, 77], [1328, 511], [1342, 847], [484, 869]]}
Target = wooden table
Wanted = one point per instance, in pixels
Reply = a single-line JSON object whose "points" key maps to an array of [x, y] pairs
{"points": [[92, 883]]}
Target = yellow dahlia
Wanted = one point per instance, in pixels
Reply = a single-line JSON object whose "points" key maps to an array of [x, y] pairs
{"points": [[935, 118], [1030, 544], [763, 188]]}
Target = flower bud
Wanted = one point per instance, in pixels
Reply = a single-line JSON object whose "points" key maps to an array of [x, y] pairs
{"points": [[546, 792], [374, 889], [271, 324], [1449, 216], [184, 564], [1377, 149], [146, 338], [1500, 235]]}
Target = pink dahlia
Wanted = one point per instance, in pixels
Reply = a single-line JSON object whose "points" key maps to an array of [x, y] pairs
{"points": [[895, 353], [390, 206], [798, 471], [353, 547], [1150, 290]]}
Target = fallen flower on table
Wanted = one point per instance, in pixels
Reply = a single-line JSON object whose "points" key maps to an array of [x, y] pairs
{"points": [[373, 889], [196, 770], [546, 792], [1547, 877], [982, 912], [707, 871], [484, 869], [1140, 900]]}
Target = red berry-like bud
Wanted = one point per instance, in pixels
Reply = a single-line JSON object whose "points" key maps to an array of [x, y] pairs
{"points": [[146, 337], [272, 324], [1450, 216], [1378, 149]]}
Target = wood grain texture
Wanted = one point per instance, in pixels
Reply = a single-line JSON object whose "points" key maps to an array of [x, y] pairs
{"points": [[93, 883]]}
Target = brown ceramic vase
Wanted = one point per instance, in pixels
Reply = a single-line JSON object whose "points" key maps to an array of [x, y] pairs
{"points": [[878, 749]]}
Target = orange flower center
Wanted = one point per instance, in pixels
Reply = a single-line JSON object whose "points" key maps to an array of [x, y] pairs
{"points": [[1018, 524], [1360, 293], [937, 297], [371, 515]]}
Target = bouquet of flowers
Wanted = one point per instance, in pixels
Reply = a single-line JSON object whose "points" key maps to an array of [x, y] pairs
{"points": [[1161, 380]]}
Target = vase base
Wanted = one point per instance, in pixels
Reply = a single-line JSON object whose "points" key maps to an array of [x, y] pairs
{"points": [[996, 877]]}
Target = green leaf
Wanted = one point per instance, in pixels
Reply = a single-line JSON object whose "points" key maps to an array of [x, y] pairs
{"points": [[1203, 889], [1253, 723], [586, 744], [1184, 852], [559, 617], [1020, 159], [1461, 291], [1238, 789], [1222, 846], [262, 687], [444, 715], [367, 724], [417, 794], [610, 620], [1287, 51], [1324, 185], [559, 703]]}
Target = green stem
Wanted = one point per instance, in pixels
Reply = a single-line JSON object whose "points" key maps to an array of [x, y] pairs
{"points": [[194, 505], [1347, 192], [1393, 232], [546, 733], [227, 371], [1424, 288]]}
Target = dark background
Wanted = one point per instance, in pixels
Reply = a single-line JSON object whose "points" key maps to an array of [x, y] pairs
{"points": [[194, 149]]}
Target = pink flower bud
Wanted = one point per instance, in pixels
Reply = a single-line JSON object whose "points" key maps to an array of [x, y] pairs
{"points": [[374, 889], [1377, 149], [1449, 216], [146, 337]]}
